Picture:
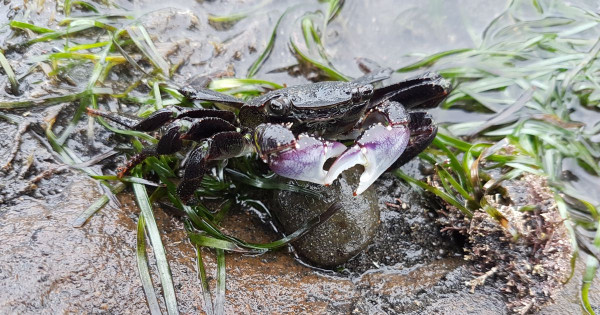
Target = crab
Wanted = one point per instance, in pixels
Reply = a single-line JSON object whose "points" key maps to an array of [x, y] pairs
{"points": [[297, 129]]}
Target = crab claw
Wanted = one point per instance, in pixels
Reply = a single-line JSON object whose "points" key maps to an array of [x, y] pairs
{"points": [[299, 158], [305, 160], [377, 149]]}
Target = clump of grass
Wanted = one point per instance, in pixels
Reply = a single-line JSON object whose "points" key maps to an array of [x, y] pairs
{"points": [[532, 73]]}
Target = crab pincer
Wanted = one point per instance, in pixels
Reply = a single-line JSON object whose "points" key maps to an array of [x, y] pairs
{"points": [[301, 158], [379, 146]]}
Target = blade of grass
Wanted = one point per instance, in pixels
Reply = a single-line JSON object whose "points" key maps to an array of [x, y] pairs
{"points": [[142, 263], [129, 179], [237, 16], [58, 34], [231, 83], [267, 183], [14, 84], [202, 240], [446, 197], [87, 6], [335, 6], [267, 51], [204, 281], [27, 26], [43, 101], [588, 276], [97, 205], [213, 230], [454, 164], [329, 71], [144, 43], [432, 59], [221, 273], [158, 103], [505, 115], [159, 251]]}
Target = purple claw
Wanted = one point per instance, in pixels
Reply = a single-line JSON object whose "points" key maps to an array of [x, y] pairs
{"points": [[377, 149], [305, 160]]}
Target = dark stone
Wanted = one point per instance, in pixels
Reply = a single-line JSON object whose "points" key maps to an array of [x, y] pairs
{"points": [[345, 234]]}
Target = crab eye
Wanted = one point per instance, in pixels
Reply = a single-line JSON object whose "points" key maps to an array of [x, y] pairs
{"points": [[366, 91], [279, 106], [361, 93]]}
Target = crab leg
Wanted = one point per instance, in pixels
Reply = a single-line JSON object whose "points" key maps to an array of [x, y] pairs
{"points": [[378, 147], [207, 95], [425, 91], [171, 141], [300, 158], [162, 116], [220, 146]]}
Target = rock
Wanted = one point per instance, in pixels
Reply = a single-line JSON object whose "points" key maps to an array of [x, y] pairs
{"points": [[341, 237]]}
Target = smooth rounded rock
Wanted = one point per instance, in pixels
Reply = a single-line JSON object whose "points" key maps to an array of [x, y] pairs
{"points": [[345, 234]]}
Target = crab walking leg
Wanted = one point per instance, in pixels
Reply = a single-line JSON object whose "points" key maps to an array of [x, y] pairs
{"points": [[171, 141], [220, 146], [425, 91], [299, 158], [162, 116], [377, 148]]}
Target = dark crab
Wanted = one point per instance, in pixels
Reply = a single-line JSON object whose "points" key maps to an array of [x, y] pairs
{"points": [[295, 130]]}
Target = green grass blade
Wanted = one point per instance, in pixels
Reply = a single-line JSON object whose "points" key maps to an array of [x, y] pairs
{"points": [[268, 183], [87, 6], [329, 71], [129, 179], [443, 195], [588, 276], [237, 16], [87, 46], [221, 273], [305, 228], [166, 279], [202, 240], [335, 6], [97, 205], [14, 84], [58, 34], [67, 7], [213, 230], [158, 103], [204, 281], [265, 54], [31, 27], [43, 101], [126, 132], [430, 60], [142, 263], [144, 43], [454, 164], [445, 176], [233, 83]]}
